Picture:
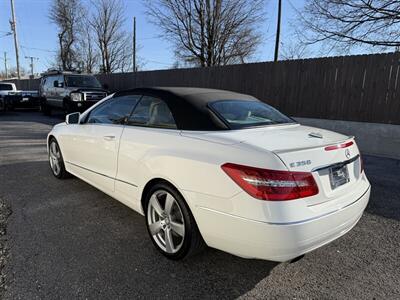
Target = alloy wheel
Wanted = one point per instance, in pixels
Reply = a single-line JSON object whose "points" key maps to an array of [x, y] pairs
{"points": [[55, 158], [165, 221]]}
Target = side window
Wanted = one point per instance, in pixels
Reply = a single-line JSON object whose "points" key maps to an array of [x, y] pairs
{"points": [[47, 82], [50, 82], [152, 112], [60, 79], [114, 111]]}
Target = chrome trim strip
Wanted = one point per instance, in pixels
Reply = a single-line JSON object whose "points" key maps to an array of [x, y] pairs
{"points": [[290, 223], [101, 174], [350, 137], [342, 163]]}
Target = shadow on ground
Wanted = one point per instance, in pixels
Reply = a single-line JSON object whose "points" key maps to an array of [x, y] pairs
{"points": [[384, 175], [72, 239]]}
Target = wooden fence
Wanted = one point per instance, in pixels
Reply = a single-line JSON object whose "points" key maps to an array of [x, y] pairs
{"points": [[354, 88]]}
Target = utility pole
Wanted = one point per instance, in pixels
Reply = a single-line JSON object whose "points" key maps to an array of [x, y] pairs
{"points": [[5, 64], [31, 64], [14, 30], [278, 30], [134, 45]]}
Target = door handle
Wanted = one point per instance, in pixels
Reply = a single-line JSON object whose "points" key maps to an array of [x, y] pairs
{"points": [[109, 137]]}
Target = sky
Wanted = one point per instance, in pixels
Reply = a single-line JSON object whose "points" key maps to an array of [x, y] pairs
{"points": [[38, 36]]}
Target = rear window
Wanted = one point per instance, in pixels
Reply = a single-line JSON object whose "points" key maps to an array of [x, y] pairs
{"points": [[243, 113], [5, 87]]}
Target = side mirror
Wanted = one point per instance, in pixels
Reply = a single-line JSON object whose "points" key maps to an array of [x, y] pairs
{"points": [[73, 118], [55, 84]]}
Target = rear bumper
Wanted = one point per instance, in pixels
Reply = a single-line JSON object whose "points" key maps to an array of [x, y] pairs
{"points": [[23, 102], [277, 242]]}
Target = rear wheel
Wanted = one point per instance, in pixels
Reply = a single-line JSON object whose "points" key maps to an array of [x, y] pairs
{"points": [[56, 161], [170, 223], [45, 108]]}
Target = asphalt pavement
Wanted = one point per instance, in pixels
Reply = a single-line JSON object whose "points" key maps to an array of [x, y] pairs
{"points": [[66, 240]]}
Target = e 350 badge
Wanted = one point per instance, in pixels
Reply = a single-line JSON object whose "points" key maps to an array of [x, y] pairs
{"points": [[300, 163]]}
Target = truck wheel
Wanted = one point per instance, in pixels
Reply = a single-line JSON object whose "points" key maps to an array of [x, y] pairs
{"points": [[67, 108], [45, 108]]}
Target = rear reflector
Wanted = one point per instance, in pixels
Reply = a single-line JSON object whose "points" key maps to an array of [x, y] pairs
{"points": [[339, 146], [272, 185]]}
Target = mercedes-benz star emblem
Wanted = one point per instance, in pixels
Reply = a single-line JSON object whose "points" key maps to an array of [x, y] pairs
{"points": [[347, 153]]}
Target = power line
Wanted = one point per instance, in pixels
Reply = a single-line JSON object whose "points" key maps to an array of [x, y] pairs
{"points": [[148, 38], [39, 49], [158, 62], [6, 34]]}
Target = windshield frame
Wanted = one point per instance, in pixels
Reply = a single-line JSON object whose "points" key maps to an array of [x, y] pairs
{"points": [[247, 126], [99, 86]]}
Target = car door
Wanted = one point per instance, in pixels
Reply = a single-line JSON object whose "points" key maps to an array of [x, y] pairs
{"points": [[59, 91], [149, 131], [48, 89], [92, 148]]}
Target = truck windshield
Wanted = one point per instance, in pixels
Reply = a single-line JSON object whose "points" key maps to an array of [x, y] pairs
{"points": [[244, 113], [5, 87], [82, 81]]}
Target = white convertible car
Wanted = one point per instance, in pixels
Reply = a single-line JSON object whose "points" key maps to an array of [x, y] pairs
{"points": [[216, 168]]}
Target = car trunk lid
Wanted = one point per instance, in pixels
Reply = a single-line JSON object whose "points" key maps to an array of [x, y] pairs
{"points": [[303, 149]]}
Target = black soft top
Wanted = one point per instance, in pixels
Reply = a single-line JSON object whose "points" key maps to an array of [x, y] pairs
{"points": [[189, 106]]}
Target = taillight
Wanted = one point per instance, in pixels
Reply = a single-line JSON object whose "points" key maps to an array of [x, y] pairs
{"points": [[339, 146], [272, 185]]}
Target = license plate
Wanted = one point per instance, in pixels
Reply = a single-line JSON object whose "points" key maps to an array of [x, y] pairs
{"points": [[25, 99], [338, 176]]}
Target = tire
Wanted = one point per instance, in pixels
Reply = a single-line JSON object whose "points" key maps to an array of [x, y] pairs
{"points": [[175, 224], [56, 160], [45, 108], [67, 108]]}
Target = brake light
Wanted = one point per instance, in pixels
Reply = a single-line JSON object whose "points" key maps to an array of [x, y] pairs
{"points": [[272, 185], [339, 146]]}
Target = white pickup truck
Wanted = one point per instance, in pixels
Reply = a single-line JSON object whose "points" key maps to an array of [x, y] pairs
{"points": [[5, 88], [11, 98]]}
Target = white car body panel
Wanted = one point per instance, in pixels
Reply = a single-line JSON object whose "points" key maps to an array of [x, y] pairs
{"points": [[228, 218]]}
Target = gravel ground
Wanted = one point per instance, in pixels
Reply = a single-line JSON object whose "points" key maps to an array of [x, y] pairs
{"points": [[68, 240], [5, 211]]}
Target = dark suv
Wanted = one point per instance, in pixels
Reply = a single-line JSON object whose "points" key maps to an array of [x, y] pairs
{"points": [[71, 92]]}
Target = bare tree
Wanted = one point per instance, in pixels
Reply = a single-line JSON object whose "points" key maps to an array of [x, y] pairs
{"points": [[348, 23], [12, 73], [113, 42], [88, 52], [66, 14], [209, 32], [294, 50]]}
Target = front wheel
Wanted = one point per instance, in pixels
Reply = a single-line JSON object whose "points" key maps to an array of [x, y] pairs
{"points": [[56, 160], [170, 223]]}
